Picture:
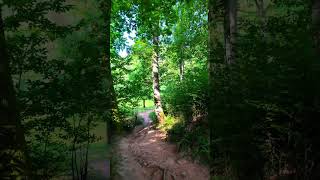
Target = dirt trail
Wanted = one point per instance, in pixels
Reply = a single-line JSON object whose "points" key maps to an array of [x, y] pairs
{"points": [[145, 155]]}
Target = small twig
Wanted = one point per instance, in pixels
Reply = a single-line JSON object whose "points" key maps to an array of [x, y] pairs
{"points": [[173, 177], [164, 174], [153, 173]]}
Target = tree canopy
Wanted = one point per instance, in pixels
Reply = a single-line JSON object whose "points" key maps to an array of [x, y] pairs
{"points": [[233, 84]]}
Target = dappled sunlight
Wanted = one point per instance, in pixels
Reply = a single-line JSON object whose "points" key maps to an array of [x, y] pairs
{"points": [[152, 140], [147, 149], [151, 131]]}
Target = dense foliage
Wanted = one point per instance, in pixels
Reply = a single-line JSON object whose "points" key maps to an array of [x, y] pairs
{"points": [[263, 109], [234, 83], [60, 81]]}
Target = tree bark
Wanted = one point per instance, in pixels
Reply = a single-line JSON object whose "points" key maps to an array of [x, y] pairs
{"points": [[230, 30], [108, 69], [216, 16], [106, 6], [316, 24], [212, 39], [144, 103], [212, 20], [181, 68], [155, 77], [13, 146], [262, 14], [261, 10]]}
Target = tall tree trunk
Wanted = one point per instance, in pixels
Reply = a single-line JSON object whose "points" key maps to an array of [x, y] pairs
{"points": [[155, 77], [216, 15], [12, 149], [212, 40], [106, 6], [144, 103], [261, 10], [315, 88], [316, 24], [262, 14], [230, 30]]}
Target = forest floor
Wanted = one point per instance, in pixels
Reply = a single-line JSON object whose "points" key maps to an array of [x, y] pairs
{"points": [[146, 155]]}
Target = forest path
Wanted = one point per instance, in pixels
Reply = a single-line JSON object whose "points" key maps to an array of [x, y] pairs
{"points": [[145, 155]]}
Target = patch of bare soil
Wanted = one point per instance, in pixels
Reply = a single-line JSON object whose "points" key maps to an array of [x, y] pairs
{"points": [[145, 155]]}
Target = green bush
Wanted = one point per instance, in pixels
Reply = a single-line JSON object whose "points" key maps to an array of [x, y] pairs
{"points": [[264, 112], [49, 160], [193, 139], [184, 103], [169, 122], [176, 132], [129, 123], [153, 117]]}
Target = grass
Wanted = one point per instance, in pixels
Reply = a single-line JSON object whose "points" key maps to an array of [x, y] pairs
{"points": [[149, 103]]}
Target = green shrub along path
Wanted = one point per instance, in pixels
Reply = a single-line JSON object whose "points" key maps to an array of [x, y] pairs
{"points": [[145, 154]]}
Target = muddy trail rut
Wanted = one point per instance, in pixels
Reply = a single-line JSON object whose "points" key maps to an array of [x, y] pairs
{"points": [[145, 155]]}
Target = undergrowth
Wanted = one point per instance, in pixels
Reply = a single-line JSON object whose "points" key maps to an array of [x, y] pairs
{"points": [[153, 117], [192, 139], [129, 123]]}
